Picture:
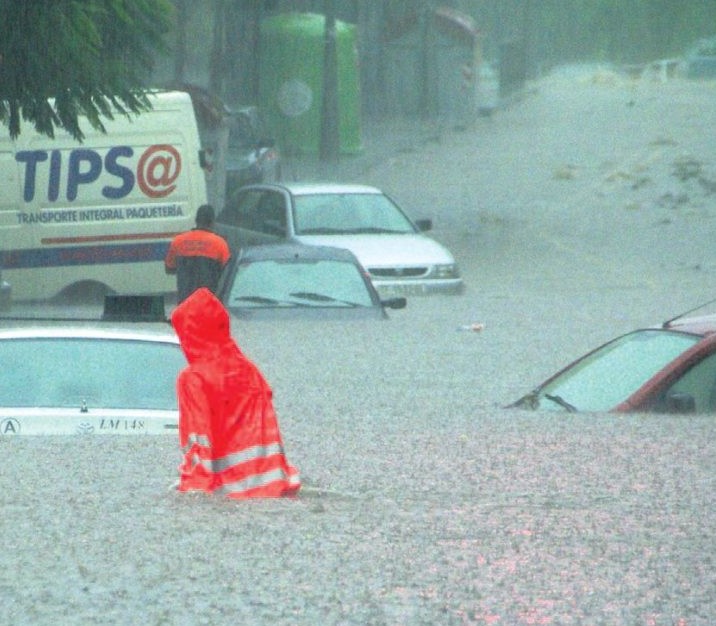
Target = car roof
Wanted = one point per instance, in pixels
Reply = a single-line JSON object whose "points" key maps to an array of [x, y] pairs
{"points": [[84, 331], [288, 251], [310, 188]]}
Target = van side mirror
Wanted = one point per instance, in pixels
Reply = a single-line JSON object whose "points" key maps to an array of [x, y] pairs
{"points": [[204, 161]]}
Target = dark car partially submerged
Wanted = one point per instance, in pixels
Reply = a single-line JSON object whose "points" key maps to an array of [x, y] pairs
{"points": [[297, 281], [252, 155], [669, 368]]}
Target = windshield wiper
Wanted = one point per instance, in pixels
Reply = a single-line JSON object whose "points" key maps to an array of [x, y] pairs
{"points": [[323, 230], [257, 299], [319, 297], [374, 230], [266, 301], [562, 402]]}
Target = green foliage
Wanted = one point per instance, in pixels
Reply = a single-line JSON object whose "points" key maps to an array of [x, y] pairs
{"points": [[64, 58]]}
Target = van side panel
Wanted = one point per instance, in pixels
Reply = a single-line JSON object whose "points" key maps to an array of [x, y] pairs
{"points": [[102, 211]]}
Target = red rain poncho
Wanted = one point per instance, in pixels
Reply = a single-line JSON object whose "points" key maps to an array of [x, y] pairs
{"points": [[228, 429]]}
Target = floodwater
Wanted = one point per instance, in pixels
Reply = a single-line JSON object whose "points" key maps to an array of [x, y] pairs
{"points": [[578, 212]]}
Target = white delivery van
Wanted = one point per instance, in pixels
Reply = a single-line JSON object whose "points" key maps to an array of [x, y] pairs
{"points": [[99, 215]]}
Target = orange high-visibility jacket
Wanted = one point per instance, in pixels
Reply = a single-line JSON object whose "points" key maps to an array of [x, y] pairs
{"points": [[228, 429]]}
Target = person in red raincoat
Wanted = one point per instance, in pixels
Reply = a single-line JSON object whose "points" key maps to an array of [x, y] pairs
{"points": [[228, 430]]}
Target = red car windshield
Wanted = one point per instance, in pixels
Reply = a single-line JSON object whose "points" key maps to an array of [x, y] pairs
{"points": [[608, 376]]}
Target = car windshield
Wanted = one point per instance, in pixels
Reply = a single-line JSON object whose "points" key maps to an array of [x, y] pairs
{"points": [[322, 283], [611, 374], [348, 213], [91, 373]]}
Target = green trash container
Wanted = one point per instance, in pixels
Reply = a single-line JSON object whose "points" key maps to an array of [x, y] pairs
{"points": [[291, 81]]}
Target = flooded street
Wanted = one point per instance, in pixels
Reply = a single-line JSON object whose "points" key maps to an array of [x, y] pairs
{"points": [[580, 211]]}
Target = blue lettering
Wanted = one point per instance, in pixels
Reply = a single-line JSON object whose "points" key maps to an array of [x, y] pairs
{"points": [[72, 169], [76, 176], [30, 158], [118, 170], [53, 185]]}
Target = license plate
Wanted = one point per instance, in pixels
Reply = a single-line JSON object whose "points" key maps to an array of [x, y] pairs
{"points": [[408, 289]]}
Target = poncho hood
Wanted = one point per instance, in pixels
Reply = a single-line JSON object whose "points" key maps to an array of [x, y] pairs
{"points": [[202, 325]]}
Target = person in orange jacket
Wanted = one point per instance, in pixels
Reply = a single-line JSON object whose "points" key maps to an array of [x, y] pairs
{"points": [[228, 430], [198, 256]]}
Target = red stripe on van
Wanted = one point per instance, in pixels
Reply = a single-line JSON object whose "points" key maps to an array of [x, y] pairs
{"points": [[94, 238]]}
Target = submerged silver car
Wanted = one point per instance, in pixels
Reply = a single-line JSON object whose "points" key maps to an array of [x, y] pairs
{"points": [[399, 258]]}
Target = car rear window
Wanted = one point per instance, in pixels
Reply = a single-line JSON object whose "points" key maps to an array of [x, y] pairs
{"points": [[92, 373]]}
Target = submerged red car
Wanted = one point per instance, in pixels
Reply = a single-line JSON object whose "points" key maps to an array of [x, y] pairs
{"points": [[669, 368]]}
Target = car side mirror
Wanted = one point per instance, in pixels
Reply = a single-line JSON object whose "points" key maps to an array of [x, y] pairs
{"points": [[394, 303], [681, 403], [424, 225]]}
